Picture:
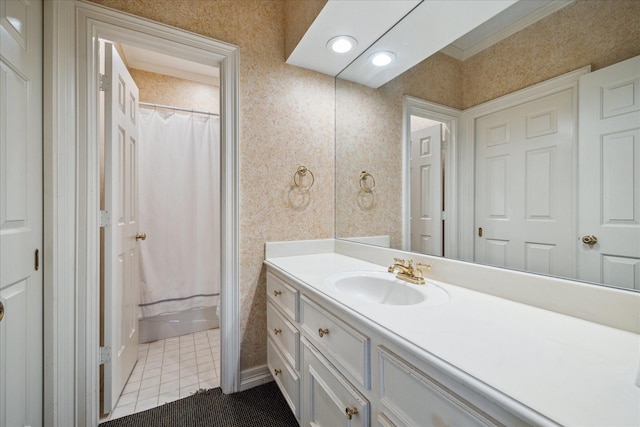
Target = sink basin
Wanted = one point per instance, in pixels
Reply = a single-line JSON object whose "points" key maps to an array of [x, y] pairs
{"points": [[384, 288]]}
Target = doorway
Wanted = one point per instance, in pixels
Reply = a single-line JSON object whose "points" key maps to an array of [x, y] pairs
{"points": [[427, 160], [73, 227], [430, 170], [161, 121]]}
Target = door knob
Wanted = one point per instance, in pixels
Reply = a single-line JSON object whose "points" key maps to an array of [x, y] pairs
{"points": [[141, 236], [589, 240], [350, 412]]}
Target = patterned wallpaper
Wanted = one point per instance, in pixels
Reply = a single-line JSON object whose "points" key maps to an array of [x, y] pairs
{"points": [[587, 32], [299, 16], [286, 120], [167, 90]]}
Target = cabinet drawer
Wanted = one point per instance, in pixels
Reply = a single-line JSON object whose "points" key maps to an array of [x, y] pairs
{"points": [[411, 397], [330, 400], [283, 296], [347, 346], [286, 377], [284, 335]]}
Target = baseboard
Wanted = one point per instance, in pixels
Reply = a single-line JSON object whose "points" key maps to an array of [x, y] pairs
{"points": [[253, 377]]}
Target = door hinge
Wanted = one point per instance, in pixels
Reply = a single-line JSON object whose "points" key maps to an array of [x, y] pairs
{"points": [[104, 219], [104, 355], [443, 216], [104, 83]]}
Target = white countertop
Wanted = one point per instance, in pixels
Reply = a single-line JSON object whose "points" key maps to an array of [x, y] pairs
{"points": [[575, 372]]}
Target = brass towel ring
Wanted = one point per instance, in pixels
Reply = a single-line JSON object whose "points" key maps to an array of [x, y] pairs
{"points": [[299, 175], [364, 178]]}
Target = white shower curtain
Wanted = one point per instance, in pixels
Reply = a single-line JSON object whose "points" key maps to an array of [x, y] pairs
{"points": [[179, 202]]}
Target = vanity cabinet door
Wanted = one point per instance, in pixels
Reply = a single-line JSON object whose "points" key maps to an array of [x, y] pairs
{"points": [[284, 296], [348, 346], [412, 398], [329, 399], [286, 377]]}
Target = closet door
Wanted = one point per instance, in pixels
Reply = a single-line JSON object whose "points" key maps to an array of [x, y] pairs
{"points": [[609, 193], [122, 237], [524, 186], [21, 213]]}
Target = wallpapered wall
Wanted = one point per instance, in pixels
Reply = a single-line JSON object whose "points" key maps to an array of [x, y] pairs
{"points": [[369, 121], [286, 120], [167, 90], [587, 32]]}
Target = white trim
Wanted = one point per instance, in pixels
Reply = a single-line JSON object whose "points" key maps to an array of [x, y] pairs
{"points": [[466, 189], [254, 377], [543, 12], [59, 106], [71, 201], [450, 116]]}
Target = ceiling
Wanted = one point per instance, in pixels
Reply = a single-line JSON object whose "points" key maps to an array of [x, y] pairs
{"points": [[413, 30], [147, 60]]}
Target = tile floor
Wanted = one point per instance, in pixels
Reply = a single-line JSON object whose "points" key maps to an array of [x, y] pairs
{"points": [[170, 369]]}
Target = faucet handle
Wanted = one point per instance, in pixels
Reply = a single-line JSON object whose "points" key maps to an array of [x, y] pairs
{"points": [[419, 267], [399, 261]]}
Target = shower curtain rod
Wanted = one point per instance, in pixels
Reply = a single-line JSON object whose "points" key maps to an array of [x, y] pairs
{"points": [[168, 107]]}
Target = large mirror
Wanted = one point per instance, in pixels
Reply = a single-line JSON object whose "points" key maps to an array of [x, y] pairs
{"points": [[439, 105]]}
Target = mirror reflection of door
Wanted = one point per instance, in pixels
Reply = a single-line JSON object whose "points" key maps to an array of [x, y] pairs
{"points": [[609, 185], [426, 183], [524, 184]]}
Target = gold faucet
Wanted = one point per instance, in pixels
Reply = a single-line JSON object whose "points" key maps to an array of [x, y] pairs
{"points": [[407, 272]]}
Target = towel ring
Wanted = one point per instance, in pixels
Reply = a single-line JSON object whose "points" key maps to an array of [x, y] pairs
{"points": [[364, 177], [301, 173]]}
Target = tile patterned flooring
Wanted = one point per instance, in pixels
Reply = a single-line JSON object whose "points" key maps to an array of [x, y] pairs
{"points": [[170, 369]]}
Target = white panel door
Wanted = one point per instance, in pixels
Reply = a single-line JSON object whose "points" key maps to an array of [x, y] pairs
{"points": [[426, 190], [121, 243], [609, 192], [524, 182], [20, 213]]}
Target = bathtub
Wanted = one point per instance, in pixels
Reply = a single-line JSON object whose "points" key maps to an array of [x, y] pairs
{"points": [[175, 324]]}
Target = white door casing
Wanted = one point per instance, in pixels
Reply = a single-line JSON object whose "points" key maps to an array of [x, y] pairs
{"points": [[426, 191], [524, 183], [71, 165], [450, 118], [121, 254], [609, 177], [21, 213]]}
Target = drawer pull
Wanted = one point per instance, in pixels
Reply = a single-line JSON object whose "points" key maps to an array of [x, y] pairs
{"points": [[277, 371], [322, 332], [350, 412], [277, 331], [276, 293]]}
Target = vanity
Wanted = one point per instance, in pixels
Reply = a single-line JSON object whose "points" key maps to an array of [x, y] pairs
{"points": [[350, 344]]}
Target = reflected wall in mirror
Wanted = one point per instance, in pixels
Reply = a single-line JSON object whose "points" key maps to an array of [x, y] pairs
{"points": [[370, 124]]}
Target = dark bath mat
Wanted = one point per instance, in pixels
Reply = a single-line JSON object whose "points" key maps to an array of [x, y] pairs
{"points": [[260, 406]]}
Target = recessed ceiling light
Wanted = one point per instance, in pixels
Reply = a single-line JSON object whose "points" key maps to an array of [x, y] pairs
{"points": [[380, 59], [342, 44]]}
